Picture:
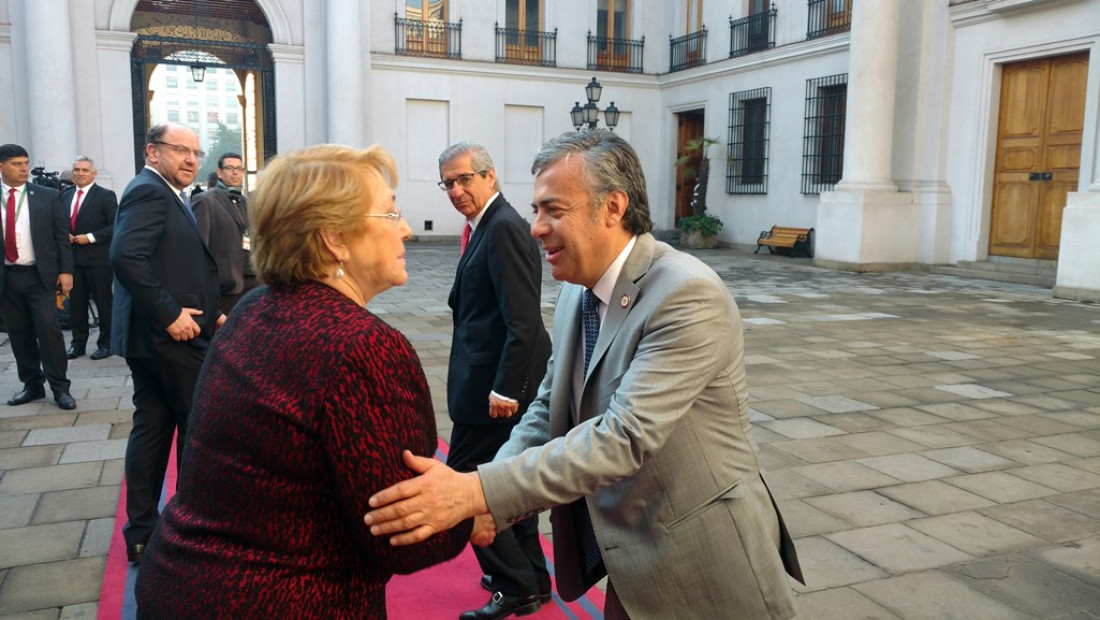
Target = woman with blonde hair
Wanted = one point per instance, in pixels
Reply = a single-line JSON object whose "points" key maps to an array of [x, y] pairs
{"points": [[304, 405]]}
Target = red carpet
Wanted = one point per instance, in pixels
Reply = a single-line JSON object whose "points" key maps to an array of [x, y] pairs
{"points": [[438, 593]]}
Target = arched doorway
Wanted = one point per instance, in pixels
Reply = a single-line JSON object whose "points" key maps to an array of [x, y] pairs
{"points": [[194, 37]]}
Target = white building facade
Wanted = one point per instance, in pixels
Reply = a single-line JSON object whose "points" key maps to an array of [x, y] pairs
{"points": [[906, 133]]}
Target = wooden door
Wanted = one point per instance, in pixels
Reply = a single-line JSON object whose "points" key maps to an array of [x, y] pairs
{"points": [[690, 127], [1039, 130]]}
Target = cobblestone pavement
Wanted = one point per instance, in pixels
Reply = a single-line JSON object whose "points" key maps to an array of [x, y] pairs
{"points": [[934, 442]]}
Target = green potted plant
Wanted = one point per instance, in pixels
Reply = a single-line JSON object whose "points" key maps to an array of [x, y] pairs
{"points": [[700, 230]]}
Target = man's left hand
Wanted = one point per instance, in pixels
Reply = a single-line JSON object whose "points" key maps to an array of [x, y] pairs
{"points": [[500, 408], [65, 282], [436, 500]]}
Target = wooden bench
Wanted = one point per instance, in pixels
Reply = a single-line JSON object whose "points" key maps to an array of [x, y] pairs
{"points": [[797, 239]]}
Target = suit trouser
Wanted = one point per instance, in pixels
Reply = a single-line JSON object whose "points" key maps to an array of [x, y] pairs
{"points": [[164, 389], [515, 560], [91, 283], [30, 315]]}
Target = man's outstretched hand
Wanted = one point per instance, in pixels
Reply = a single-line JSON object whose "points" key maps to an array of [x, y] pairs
{"points": [[436, 500]]}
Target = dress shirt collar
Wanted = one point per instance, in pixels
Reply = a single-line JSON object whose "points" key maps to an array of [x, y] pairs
{"points": [[606, 284], [475, 220], [175, 190]]}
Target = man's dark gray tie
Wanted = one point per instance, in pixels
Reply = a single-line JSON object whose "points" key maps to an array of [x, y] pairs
{"points": [[594, 569], [187, 203]]}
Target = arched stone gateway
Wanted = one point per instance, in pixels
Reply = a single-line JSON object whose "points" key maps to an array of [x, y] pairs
{"points": [[230, 34]]}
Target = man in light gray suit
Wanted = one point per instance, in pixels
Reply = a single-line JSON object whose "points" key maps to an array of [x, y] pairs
{"points": [[639, 434]]}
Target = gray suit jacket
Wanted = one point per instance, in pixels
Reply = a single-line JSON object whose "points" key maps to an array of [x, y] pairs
{"points": [[661, 451]]}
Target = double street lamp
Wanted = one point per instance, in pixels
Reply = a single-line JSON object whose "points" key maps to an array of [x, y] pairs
{"points": [[589, 113]]}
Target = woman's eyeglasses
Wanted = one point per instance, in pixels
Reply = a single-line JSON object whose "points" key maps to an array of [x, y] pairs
{"points": [[462, 180], [392, 216]]}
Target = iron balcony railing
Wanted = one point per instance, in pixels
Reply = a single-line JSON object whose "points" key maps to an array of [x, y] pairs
{"points": [[688, 51], [610, 54], [828, 17], [432, 39], [527, 47], [753, 33]]}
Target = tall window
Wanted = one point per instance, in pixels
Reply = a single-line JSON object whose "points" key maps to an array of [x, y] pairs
{"points": [[694, 16], [612, 32], [525, 16], [425, 29], [747, 167], [613, 19], [823, 145]]}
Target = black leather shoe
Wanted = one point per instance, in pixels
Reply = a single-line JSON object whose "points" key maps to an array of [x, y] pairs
{"points": [[501, 606], [27, 395], [101, 353], [134, 553], [65, 400], [75, 352], [487, 585]]}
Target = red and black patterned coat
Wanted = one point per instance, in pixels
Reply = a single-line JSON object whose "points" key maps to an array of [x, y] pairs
{"points": [[302, 409]]}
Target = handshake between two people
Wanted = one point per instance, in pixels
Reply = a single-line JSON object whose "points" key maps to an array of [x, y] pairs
{"points": [[437, 499]]}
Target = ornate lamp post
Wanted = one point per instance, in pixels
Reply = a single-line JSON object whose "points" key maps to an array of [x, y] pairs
{"points": [[588, 114]]}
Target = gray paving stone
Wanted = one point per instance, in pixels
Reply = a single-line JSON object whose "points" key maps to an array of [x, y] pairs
{"points": [[801, 428], [898, 549], [16, 510], [97, 537], [83, 611], [968, 459], [1027, 585], [76, 505], [863, 508], [845, 476], [1076, 444], [933, 436], [934, 497], [839, 604], [830, 566], [1080, 559], [976, 534], [90, 432], [1046, 519], [94, 451], [1089, 464], [1058, 476], [933, 595], [1084, 502], [820, 450], [53, 584], [1025, 451], [1081, 419], [39, 543], [959, 412], [804, 520], [52, 478], [836, 403], [1001, 487], [906, 417], [909, 467], [787, 484], [37, 456]]}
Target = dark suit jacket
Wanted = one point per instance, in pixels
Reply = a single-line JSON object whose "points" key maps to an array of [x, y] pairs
{"points": [[161, 265], [49, 235], [223, 225], [96, 216], [499, 341]]}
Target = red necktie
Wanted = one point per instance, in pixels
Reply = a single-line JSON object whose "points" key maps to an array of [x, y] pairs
{"points": [[76, 208], [11, 253], [465, 238]]}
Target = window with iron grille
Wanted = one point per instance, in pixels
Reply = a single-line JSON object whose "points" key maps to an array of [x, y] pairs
{"points": [[828, 17], [823, 135], [750, 121]]}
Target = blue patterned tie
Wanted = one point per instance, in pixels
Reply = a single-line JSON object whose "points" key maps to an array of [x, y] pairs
{"points": [[594, 569], [590, 317], [187, 203]]}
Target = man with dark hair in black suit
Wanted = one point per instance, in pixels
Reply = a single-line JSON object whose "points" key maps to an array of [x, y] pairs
{"points": [[37, 262], [91, 210], [222, 214], [498, 357], [165, 314]]}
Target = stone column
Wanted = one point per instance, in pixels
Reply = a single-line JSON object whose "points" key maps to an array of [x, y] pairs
{"points": [[290, 89], [46, 34], [116, 111], [345, 56], [865, 224], [1078, 254], [872, 79]]}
